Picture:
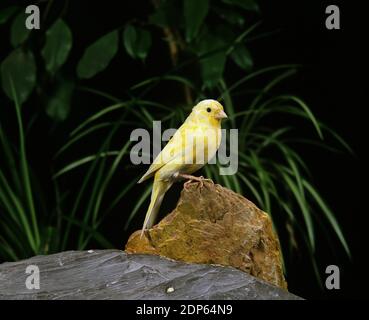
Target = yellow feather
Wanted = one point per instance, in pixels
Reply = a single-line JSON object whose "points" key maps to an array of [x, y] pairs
{"points": [[197, 139]]}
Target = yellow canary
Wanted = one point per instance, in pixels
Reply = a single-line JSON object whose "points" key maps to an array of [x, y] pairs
{"points": [[190, 148]]}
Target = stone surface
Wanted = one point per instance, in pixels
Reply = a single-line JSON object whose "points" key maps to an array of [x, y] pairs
{"points": [[215, 225], [114, 274]]}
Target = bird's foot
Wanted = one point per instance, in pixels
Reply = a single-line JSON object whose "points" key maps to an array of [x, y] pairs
{"points": [[191, 179]]}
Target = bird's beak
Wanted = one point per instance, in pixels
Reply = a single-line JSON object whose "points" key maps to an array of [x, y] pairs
{"points": [[221, 115]]}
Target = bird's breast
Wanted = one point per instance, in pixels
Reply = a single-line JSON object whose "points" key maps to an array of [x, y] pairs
{"points": [[202, 142]]}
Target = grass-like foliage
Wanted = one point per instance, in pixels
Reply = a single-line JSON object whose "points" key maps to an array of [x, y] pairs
{"points": [[271, 172], [206, 43]]}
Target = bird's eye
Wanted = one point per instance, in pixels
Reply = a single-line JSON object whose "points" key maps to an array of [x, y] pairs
{"points": [[208, 109]]}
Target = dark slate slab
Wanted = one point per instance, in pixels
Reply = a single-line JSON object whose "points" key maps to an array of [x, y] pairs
{"points": [[114, 274]]}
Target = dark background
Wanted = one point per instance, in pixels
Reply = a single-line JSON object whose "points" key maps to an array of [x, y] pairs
{"points": [[329, 82]]}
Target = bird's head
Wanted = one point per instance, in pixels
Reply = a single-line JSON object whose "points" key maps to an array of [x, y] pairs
{"points": [[210, 110]]}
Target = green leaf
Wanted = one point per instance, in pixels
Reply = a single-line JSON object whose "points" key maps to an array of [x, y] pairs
{"points": [[100, 93], [88, 181], [7, 250], [15, 209], [212, 69], [98, 115], [253, 75], [329, 215], [231, 16], [303, 207], [24, 166], [244, 4], [129, 40], [6, 14], [167, 14], [80, 136], [18, 31], [108, 176], [57, 46], [145, 195], [194, 14], [307, 111], [174, 78], [20, 66], [137, 42], [252, 188], [159, 18], [92, 232], [242, 57], [98, 55], [119, 197], [80, 162], [212, 64], [58, 106]]}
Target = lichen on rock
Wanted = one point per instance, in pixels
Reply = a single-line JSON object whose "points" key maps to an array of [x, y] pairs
{"points": [[214, 225]]}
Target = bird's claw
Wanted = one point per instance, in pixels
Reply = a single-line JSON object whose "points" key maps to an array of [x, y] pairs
{"points": [[200, 180]]}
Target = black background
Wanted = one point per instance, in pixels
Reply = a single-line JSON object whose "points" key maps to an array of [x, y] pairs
{"points": [[329, 82]]}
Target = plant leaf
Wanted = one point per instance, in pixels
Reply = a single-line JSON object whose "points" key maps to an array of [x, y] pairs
{"points": [[175, 78], [242, 57], [108, 177], [129, 40], [231, 16], [18, 31], [80, 136], [58, 106], [80, 162], [24, 166], [86, 181], [57, 46], [329, 215], [307, 111], [253, 75], [6, 14], [167, 14], [244, 4], [98, 55], [194, 14], [212, 65], [138, 205], [303, 206], [20, 66], [98, 115], [137, 42], [92, 233]]}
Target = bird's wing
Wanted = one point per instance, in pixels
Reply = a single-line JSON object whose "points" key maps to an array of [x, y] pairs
{"points": [[174, 149]]}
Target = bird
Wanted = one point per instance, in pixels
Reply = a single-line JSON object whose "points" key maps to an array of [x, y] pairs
{"points": [[190, 148]]}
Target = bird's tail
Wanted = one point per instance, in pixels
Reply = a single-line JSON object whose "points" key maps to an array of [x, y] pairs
{"points": [[159, 189]]}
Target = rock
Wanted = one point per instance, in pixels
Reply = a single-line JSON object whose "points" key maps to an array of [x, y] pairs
{"points": [[215, 225], [114, 274]]}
